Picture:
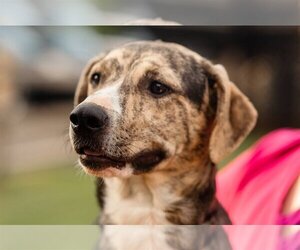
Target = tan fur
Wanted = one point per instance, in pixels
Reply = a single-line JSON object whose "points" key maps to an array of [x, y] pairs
{"points": [[236, 117], [203, 119]]}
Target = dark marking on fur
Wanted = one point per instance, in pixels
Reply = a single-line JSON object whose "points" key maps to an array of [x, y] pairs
{"points": [[100, 192], [184, 120], [114, 66], [213, 97], [216, 215], [124, 93], [193, 81], [145, 162], [196, 201]]}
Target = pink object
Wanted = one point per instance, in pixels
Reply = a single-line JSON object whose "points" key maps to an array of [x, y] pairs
{"points": [[252, 189]]}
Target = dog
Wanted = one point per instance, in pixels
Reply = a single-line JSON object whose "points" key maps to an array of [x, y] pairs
{"points": [[151, 121]]}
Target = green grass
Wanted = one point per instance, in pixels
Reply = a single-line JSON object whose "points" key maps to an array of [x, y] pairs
{"points": [[59, 195], [53, 196]]}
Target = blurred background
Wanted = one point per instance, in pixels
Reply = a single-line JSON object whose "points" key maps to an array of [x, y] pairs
{"points": [[39, 69], [94, 12]]}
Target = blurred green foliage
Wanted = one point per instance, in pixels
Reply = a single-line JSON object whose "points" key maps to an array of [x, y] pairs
{"points": [[59, 195]]}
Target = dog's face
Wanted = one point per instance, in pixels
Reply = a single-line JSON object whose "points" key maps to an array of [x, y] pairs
{"points": [[147, 105]]}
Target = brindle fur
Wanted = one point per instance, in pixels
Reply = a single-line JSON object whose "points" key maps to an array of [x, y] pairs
{"points": [[192, 124]]}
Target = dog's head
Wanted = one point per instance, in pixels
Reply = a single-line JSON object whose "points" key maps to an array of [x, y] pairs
{"points": [[140, 106]]}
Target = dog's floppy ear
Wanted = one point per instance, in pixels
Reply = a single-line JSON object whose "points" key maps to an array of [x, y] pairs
{"points": [[82, 87], [235, 116]]}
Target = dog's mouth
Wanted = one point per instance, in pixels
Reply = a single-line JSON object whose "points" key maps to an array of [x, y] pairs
{"points": [[141, 162], [96, 160]]}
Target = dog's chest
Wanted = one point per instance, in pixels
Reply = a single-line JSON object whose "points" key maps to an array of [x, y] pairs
{"points": [[134, 237], [131, 203]]}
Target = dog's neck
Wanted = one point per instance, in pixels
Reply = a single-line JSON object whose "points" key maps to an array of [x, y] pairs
{"points": [[182, 196]]}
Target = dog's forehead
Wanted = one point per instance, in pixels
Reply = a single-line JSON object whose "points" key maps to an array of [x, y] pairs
{"points": [[176, 55], [184, 63]]}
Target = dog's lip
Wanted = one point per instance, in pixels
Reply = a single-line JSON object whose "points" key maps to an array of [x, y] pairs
{"points": [[89, 152], [99, 160], [95, 160], [149, 158]]}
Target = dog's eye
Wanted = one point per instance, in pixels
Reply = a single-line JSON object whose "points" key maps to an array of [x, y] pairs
{"points": [[95, 79], [158, 89]]}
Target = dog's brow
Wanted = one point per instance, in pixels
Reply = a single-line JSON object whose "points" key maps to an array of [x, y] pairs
{"points": [[112, 63], [165, 75]]}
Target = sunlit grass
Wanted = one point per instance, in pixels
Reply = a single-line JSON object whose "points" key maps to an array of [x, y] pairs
{"points": [[54, 196]]}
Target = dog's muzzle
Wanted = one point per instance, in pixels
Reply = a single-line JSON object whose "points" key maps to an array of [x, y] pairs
{"points": [[90, 124]]}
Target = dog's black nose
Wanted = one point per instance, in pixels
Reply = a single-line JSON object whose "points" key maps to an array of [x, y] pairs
{"points": [[88, 117]]}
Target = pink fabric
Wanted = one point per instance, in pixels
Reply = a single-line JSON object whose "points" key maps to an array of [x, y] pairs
{"points": [[253, 187], [291, 242], [290, 219]]}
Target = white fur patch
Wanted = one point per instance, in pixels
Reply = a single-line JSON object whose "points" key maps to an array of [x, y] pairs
{"points": [[140, 206], [135, 237], [108, 97]]}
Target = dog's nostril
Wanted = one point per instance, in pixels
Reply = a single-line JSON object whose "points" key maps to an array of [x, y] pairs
{"points": [[93, 122], [74, 119]]}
